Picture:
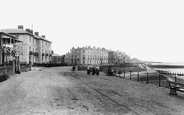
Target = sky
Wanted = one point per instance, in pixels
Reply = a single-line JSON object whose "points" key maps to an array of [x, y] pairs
{"points": [[150, 30]]}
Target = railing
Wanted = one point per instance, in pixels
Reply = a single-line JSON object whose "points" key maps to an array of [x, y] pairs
{"points": [[35, 53], [30, 53], [141, 75]]}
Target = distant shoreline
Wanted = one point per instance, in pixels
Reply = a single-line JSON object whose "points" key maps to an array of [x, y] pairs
{"points": [[166, 66]]}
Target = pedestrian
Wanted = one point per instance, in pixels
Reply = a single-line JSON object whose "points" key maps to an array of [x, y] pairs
{"points": [[97, 70], [76, 68], [93, 70], [88, 69], [73, 69]]}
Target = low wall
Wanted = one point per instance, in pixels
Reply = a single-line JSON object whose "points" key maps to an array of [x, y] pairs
{"points": [[7, 70], [24, 68]]}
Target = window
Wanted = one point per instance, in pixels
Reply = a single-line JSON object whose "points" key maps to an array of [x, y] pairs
{"points": [[83, 51], [29, 39]]}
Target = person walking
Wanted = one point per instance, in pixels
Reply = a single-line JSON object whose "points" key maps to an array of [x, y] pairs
{"points": [[73, 68], [88, 69], [97, 70]]}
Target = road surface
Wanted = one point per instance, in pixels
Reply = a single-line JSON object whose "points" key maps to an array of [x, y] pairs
{"points": [[58, 91]]}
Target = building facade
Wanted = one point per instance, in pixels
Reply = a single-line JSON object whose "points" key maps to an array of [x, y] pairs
{"points": [[35, 48], [117, 57], [88, 55], [67, 59], [43, 48], [56, 58]]}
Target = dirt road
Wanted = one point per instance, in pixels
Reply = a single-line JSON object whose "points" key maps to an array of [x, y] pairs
{"points": [[58, 91]]}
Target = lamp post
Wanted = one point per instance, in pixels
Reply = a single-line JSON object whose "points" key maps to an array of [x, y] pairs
{"points": [[83, 60], [101, 60]]}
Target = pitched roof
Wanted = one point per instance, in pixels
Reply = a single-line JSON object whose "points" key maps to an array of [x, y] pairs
{"points": [[16, 31], [21, 31], [39, 37], [9, 35]]}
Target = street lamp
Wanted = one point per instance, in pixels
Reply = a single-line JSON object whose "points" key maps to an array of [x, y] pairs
{"points": [[101, 60], [83, 60]]}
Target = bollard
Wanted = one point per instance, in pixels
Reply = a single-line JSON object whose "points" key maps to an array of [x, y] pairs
{"points": [[147, 78], [138, 76], [159, 80], [130, 74]]}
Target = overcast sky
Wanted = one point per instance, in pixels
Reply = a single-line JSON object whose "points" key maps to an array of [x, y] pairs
{"points": [[151, 30]]}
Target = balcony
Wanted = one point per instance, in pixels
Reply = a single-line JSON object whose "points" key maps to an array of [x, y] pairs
{"points": [[35, 53], [30, 52]]}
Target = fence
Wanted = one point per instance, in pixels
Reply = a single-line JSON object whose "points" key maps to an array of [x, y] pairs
{"points": [[147, 77]]}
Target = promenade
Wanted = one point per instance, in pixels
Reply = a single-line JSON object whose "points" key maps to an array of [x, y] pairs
{"points": [[58, 91]]}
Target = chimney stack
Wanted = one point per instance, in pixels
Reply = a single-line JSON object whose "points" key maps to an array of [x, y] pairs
{"points": [[31, 31], [28, 30], [20, 27], [37, 33], [43, 36]]}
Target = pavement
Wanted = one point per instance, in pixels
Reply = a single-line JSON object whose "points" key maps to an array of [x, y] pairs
{"points": [[58, 91]]}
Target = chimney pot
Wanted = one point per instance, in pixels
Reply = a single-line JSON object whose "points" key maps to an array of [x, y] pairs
{"points": [[30, 31], [37, 33], [20, 27], [43, 36]]}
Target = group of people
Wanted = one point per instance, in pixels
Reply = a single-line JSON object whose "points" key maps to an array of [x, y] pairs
{"points": [[110, 71], [93, 69], [74, 68]]}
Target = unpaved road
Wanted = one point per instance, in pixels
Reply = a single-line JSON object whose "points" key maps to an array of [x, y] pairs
{"points": [[58, 91]]}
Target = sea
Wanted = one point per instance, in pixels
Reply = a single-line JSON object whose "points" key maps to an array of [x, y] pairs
{"points": [[172, 70]]}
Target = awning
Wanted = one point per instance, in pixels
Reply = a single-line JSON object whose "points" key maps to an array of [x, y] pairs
{"points": [[16, 40], [5, 37]]}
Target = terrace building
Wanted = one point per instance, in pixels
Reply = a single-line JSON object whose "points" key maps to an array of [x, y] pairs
{"points": [[56, 58], [43, 47], [88, 55], [35, 49]]}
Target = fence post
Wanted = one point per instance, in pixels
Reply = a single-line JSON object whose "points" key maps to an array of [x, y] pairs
{"points": [[175, 79], [130, 74], [124, 73], [147, 78], [119, 72], [138, 76], [159, 79]]}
